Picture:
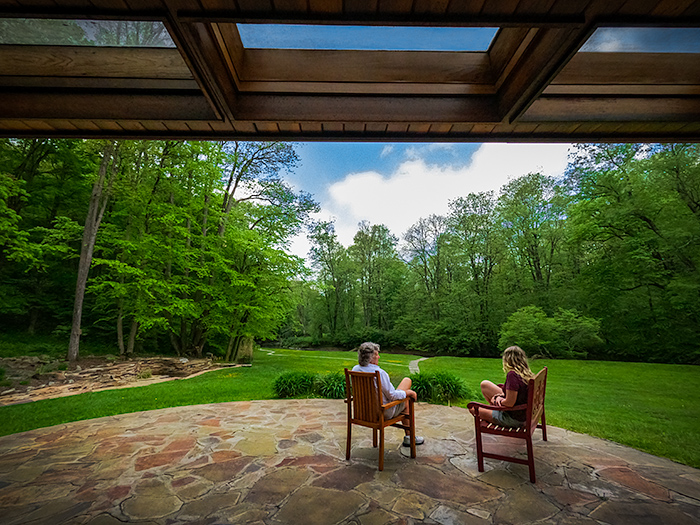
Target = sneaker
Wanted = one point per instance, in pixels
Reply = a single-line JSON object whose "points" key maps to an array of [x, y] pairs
{"points": [[407, 441]]}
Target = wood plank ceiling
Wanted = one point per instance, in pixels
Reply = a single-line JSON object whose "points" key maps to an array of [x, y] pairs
{"points": [[532, 84]]}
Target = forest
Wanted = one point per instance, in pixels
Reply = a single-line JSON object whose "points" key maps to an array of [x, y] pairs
{"points": [[176, 247]]}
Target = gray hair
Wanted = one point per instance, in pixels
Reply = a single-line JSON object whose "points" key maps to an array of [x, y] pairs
{"points": [[365, 352]]}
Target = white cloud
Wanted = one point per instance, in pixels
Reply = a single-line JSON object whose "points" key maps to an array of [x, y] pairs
{"points": [[386, 151], [417, 190]]}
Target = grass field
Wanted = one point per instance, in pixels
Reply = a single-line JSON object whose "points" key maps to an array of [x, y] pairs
{"points": [[628, 403]]}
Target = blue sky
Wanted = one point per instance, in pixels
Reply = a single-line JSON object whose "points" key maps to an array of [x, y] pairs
{"points": [[299, 36], [397, 184]]}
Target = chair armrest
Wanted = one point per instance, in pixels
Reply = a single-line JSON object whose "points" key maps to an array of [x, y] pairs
{"points": [[392, 403], [346, 399], [477, 405]]}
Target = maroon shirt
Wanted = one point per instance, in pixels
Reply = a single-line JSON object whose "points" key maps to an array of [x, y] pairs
{"points": [[515, 382]]}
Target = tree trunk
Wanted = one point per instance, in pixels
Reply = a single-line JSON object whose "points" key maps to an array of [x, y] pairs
{"points": [[120, 327], [231, 347], [33, 317], [132, 337], [98, 203]]}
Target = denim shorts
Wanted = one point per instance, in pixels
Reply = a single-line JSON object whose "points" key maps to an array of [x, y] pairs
{"points": [[504, 419]]}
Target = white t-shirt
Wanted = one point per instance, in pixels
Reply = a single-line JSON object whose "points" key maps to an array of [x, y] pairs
{"points": [[389, 393]]}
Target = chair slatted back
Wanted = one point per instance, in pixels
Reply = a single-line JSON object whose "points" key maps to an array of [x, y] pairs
{"points": [[366, 392], [535, 399]]}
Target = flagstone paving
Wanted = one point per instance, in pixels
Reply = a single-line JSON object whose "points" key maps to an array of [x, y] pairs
{"points": [[283, 462]]}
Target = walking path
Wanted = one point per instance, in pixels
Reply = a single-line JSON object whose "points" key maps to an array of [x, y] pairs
{"points": [[413, 365], [283, 462]]}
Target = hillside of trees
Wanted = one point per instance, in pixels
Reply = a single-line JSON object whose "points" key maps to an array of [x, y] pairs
{"points": [[182, 247], [601, 263], [184, 242]]}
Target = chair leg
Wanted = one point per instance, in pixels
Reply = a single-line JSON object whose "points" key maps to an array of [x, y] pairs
{"points": [[544, 427], [381, 447], [347, 448], [479, 449], [412, 430], [530, 459], [374, 437]]}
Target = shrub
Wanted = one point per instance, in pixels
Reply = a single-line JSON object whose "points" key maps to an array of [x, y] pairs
{"points": [[146, 373], [566, 335], [440, 387], [2, 374], [331, 386], [294, 384]]}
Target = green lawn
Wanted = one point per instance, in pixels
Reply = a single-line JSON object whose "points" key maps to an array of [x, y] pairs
{"points": [[625, 402], [650, 407], [228, 384]]}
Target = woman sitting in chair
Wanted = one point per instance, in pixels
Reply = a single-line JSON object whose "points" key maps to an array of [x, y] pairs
{"points": [[368, 359], [513, 392]]}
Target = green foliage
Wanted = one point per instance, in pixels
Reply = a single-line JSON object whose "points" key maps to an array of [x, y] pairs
{"points": [[294, 384], [2, 373], [302, 384], [146, 373], [439, 387], [566, 335], [331, 385]]}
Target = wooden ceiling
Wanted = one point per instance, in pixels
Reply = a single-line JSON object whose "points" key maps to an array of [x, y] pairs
{"points": [[533, 83]]}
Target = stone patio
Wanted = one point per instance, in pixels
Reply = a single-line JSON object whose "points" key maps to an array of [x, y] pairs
{"points": [[283, 462]]}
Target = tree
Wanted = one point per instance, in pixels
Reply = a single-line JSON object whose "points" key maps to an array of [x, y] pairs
{"points": [[531, 208], [376, 259], [476, 239], [335, 276], [98, 204]]}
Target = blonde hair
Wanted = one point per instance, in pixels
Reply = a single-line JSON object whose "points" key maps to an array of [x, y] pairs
{"points": [[514, 359]]}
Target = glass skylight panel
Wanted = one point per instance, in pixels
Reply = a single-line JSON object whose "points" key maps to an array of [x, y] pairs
{"points": [[388, 38], [644, 40], [105, 33]]}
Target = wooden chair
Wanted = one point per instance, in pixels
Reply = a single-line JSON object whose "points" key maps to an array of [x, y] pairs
{"points": [[364, 399], [535, 413]]}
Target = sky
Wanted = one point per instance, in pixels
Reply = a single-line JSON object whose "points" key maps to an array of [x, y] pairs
{"points": [[397, 184]]}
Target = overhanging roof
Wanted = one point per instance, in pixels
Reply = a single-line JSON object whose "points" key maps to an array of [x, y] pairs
{"points": [[533, 83]]}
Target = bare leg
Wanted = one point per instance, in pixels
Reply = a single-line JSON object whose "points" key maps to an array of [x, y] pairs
{"points": [[405, 385], [486, 415], [489, 389]]}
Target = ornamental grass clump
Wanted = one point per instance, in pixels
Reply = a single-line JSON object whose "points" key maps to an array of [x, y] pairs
{"points": [[440, 388], [331, 385], [294, 384]]}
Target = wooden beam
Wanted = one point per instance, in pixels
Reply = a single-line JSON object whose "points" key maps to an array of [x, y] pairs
{"points": [[129, 84], [547, 53], [631, 68], [369, 88], [136, 106], [285, 65], [613, 109], [385, 18], [345, 108], [84, 61]]}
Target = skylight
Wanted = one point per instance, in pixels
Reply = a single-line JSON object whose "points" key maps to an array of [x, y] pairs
{"points": [[104, 33], [644, 40], [388, 38]]}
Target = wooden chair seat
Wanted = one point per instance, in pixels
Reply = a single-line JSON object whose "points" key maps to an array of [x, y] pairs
{"points": [[534, 410], [363, 396]]}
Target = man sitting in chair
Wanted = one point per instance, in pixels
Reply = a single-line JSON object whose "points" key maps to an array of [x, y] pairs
{"points": [[368, 358]]}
